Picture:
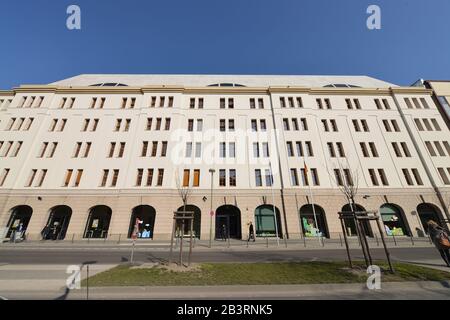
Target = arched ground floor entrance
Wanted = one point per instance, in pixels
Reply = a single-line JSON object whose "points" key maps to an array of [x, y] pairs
{"points": [[228, 222], [313, 221], [19, 220], [146, 216], [97, 225], [57, 224], [427, 212], [350, 225], [265, 221], [394, 220], [196, 224]]}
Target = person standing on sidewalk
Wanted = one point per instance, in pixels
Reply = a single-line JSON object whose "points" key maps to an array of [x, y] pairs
{"points": [[251, 232], [440, 240]]}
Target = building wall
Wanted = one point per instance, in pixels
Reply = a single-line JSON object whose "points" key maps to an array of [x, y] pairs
{"points": [[246, 195]]}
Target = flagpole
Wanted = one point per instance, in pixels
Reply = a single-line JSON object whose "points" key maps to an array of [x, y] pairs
{"points": [[273, 203], [312, 199]]}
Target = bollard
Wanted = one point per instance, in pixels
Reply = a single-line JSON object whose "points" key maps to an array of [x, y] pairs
{"points": [[267, 242], [228, 242], [87, 283], [376, 238], [120, 236], [412, 240], [340, 239], [285, 241], [73, 237], [323, 241], [304, 241], [395, 241]]}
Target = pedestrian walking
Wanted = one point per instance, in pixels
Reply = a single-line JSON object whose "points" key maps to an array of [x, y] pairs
{"points": [[440, 239], [251, 232]]}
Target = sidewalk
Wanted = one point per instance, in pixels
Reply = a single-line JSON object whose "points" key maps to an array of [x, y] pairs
{"points": [[203, 245]]}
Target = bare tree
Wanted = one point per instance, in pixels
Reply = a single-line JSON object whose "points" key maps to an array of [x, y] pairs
{"points": [[184, 191]]}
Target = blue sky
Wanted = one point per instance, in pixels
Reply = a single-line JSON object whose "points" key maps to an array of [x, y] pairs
{"points": [[224, 37]]}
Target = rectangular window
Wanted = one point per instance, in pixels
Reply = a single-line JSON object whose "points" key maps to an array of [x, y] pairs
{"points": [[170, 102], [331, 150], [78, 178], [356, 125], [416, 103], [222, 178], [230, 103], [68, 177], [417, 177], [140, 173], [299, 102], [441, 171], [328, 103], [295, 126], [373, 149], [252, 103], [269, 178], [258, 178], [424, 103], [309, 149], [17, 149], [340, 149], [198, 149], [364, 150], [254, 124], [436, 125], [190, 125], [154, 148], [162, 101], [286, 124], [291, 102], [387, 127], [127, 125], [31, 178], [188, 149], [153, 102], [118, 124], [386, 104], [325, 125], [282, 102], [158, 124], [192, 103], [408, 103], [232, 177], [42, 151], [200, 103], [294, 177], [299, 148], [52, 150], [265, 148], [348, 177], [199, 125], [196, 178], [115, 177], [378, 104], [365, 126], [77, 150], [338, 177], [164, 149], [231, 124], [383, 177], [405, 149], [222, 150], [256, 150], [334, 125], [290, 149], [315, 177], [3, 176], [260, 103], [144, 148], [104, 178], [186, 174], [319, 103], [149, 177], [396, 149], [407, 177], [102, 103], [304, 175], [262, 124], [222, 103], [122, 149], [232, 149], [222, 125], [373, 177], [395, 125], [357, 104]]}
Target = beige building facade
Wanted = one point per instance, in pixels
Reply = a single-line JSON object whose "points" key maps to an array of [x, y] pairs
{"points": [[88, 156]]}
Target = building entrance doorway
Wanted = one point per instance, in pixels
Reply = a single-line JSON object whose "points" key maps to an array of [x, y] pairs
{"points": [[57, 224], [228, 222]]}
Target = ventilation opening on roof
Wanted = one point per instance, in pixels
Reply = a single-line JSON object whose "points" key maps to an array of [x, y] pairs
{"points": [[108, 84], [226, 85], [341, 85]]}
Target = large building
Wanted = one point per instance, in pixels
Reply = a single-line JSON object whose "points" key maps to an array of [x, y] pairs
{"points": [[85, 156]]}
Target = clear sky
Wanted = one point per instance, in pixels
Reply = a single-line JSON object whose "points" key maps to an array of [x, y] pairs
{"points": [[224, 37]]}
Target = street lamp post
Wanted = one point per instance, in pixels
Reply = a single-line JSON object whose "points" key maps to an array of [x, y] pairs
{"points": [[211, 207]]}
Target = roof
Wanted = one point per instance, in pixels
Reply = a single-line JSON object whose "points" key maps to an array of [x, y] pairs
{"points": [[193, 80]]}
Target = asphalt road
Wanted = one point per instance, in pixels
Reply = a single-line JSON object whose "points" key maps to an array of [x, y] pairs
{"points": [[66, 256]]}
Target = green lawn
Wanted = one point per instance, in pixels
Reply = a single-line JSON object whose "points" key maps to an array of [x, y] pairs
{"points": [[210, 274]]}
